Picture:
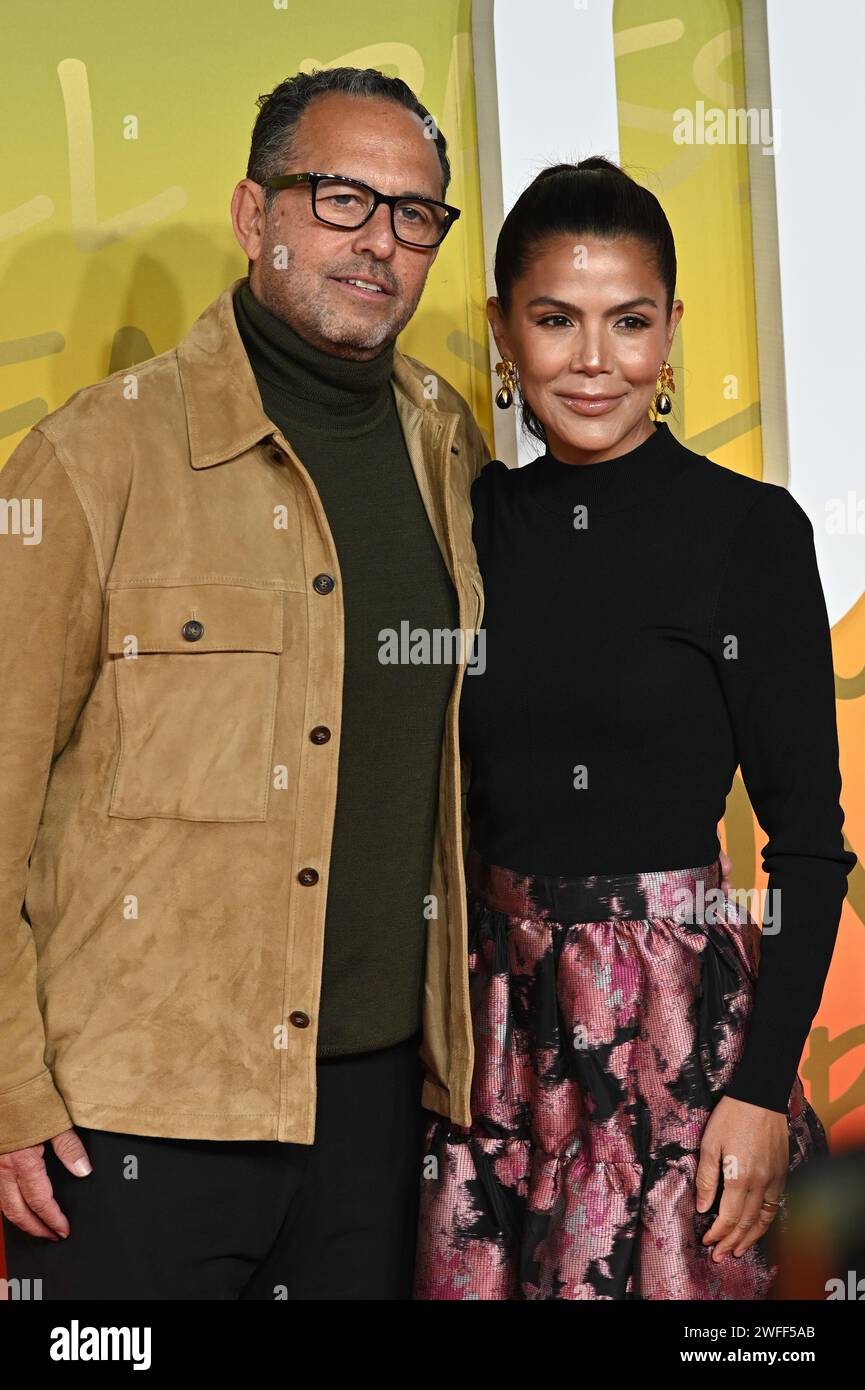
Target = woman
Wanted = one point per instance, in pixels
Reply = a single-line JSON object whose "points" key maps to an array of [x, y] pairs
{"points": [[652, 620]]}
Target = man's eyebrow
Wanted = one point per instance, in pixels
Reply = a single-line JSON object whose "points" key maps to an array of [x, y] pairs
{"points": [[428, 197], [574, 308], [410, 193]]}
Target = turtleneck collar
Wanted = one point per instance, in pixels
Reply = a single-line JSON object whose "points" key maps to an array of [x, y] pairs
{"points": [[611, 484], [300, 382]]}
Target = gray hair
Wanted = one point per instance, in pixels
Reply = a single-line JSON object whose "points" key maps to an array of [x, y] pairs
{"points": [[280, 110]]}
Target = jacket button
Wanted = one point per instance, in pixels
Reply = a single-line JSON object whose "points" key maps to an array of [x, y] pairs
{"points": [[276, 455], [308, 877], [320, 734], [299, 1018], [323, 583], [192, 630]]}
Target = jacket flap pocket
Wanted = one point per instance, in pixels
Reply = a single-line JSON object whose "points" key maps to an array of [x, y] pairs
{"points": [[195, 618]]}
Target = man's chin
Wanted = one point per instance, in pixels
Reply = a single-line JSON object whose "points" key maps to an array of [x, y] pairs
{"points": [[351, 341], [354, 335]]}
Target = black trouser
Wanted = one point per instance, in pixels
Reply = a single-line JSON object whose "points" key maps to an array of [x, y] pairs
{"points": [[248, 1219]]}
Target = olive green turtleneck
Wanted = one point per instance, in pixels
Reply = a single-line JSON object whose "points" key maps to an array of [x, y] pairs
{"points": [[340, 417]]}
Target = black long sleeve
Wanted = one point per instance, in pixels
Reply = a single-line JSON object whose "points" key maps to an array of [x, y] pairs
{"points": [[678, 632], [773, 654]]}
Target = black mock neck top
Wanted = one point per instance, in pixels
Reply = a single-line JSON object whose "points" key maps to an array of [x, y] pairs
{"points": [[657, 621]]}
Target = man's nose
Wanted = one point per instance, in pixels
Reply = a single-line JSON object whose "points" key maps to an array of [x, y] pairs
{"points": [[376, 235]]}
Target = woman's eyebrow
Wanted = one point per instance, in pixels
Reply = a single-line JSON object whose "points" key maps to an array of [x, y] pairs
{"points": [[574, 308]]}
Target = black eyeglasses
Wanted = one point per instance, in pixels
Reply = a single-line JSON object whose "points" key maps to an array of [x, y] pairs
{"points": [[349, 203]]}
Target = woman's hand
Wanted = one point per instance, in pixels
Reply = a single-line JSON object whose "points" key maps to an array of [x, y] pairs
{"points": [[750, 1147]]}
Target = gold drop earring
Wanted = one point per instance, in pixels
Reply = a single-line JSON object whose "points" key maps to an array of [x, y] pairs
{"points": [[507, 372], [665, 384]]}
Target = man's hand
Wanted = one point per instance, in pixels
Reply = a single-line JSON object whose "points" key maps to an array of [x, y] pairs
{"points": [[726, 866], [26, 1195]]}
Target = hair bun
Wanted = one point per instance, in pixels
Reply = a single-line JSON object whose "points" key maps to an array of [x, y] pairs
{"points": [[600, 162], [553, 170]]}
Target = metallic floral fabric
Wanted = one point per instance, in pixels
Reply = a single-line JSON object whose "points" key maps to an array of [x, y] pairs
{"points": [[609, 1013]]}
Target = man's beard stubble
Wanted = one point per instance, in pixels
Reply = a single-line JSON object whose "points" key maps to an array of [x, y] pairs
{"points": [[299, 303]]}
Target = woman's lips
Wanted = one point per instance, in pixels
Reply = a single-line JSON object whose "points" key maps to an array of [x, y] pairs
{"points": [[598, 405]]}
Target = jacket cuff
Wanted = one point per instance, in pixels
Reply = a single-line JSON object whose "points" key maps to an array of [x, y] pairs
{"points": [[32, 1113]]}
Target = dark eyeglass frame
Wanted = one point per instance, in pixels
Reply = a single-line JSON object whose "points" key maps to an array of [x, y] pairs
{"points": [[313, 178]]}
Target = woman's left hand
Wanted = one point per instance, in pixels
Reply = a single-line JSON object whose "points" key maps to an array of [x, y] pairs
{"points": [[750, 1147]]}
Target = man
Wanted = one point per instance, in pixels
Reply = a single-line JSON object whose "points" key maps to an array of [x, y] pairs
{"points": [[232, 831]]}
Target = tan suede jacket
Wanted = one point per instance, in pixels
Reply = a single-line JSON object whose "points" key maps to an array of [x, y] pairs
{"points": [[171, 661]]}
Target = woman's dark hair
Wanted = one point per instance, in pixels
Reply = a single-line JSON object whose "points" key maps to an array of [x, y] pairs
{"points": [[593, 198], [279, 111]]}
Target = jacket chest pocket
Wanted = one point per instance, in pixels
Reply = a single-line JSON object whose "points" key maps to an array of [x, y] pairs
{"points": [[196, 670]]}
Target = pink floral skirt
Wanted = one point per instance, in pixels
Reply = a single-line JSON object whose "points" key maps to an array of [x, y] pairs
{"points": [[609, 1013]]}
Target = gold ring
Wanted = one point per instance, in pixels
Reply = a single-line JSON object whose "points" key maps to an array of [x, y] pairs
{"points": [[776, 1206]]}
